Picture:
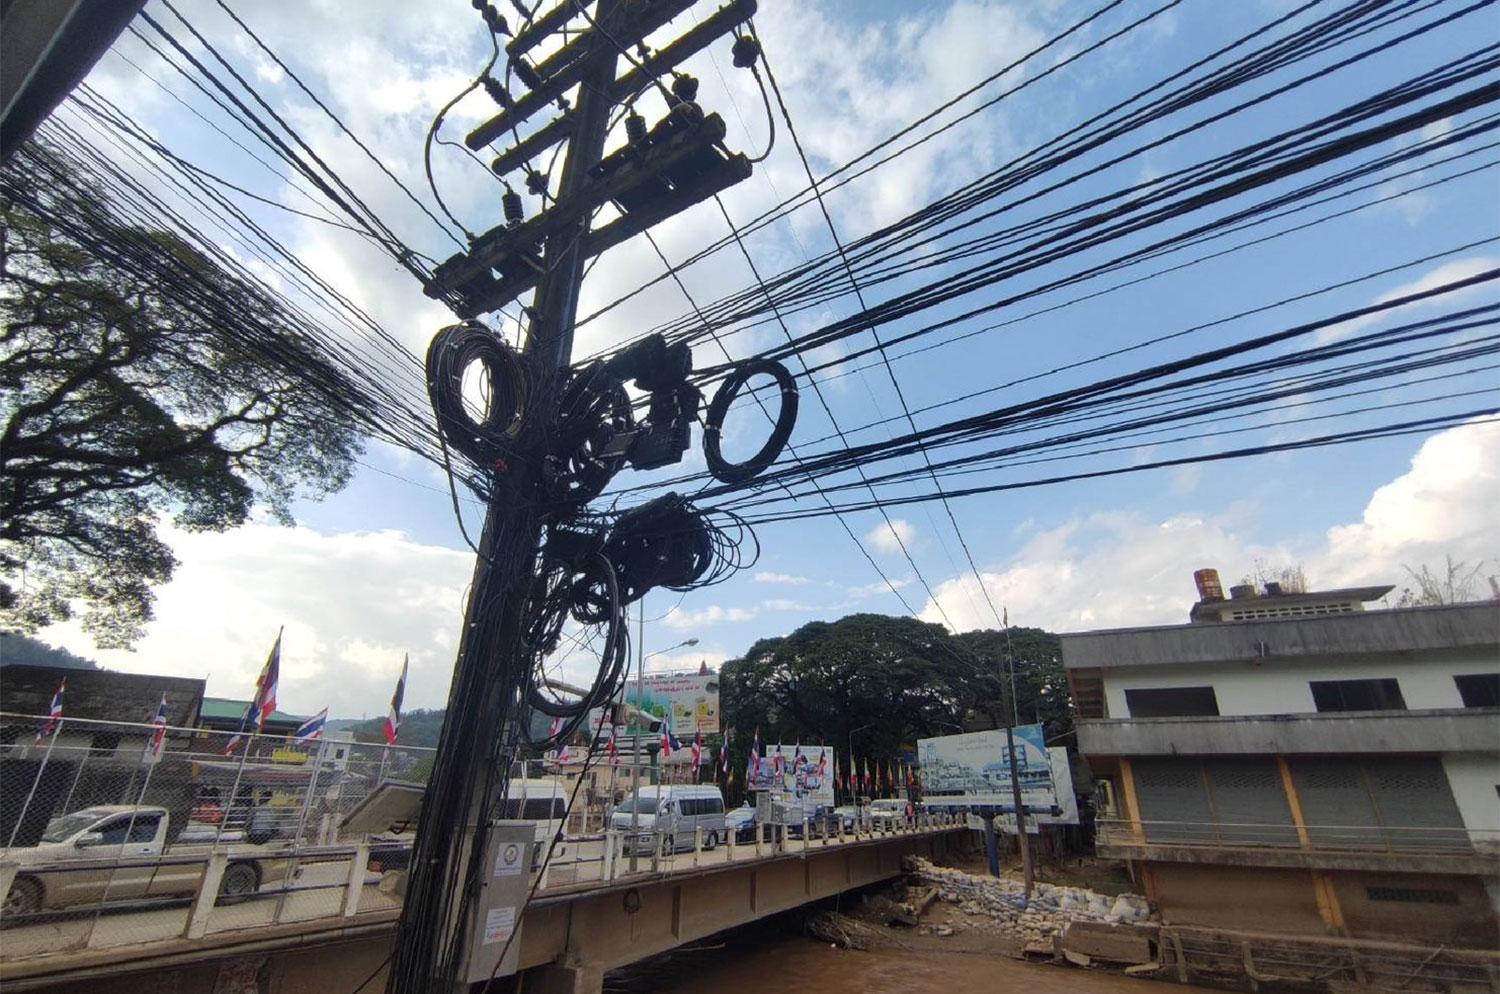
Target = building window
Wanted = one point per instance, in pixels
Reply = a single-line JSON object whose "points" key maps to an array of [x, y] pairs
{"points": [[1357, 695], [104, 744], [1171, 702], [1411, 895], [1480, 690]]}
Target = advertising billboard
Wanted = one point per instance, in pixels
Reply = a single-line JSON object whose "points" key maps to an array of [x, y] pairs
{"points": [[804, 773], [688, 703], [975, 766], [1067, 801]]}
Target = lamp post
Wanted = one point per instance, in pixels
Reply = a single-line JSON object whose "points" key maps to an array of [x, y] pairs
{"points": [[635, 748]]}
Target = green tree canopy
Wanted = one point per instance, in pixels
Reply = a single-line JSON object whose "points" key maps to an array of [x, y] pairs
{"points": [[887, 680], [138, 379]]}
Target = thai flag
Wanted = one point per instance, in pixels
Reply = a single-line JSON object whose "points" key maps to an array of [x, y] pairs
{"points": [[311, 729], [753, 766], [822, 761], [555, 729], [697, 749], [797, 758], [158, 728], [393, 720], [614, 753], [668, 742], [724, 756], [54, 712]]}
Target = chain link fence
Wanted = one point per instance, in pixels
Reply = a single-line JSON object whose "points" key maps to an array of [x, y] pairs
{"points": [[110, 836]]}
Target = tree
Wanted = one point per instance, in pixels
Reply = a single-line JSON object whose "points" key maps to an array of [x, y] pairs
{"points": [[138, 379], [886, 680], [1041, 683], [1457, 583], [1291, 578]]}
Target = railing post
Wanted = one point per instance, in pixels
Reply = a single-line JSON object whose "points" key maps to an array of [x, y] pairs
{"points": [[731, 836], [208, 893], [356, 882], [697, 844], [607, 869], [760, 838], [806, 831], [657, 842]]}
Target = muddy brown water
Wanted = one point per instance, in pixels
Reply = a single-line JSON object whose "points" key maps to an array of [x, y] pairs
{"points": [[774, 956]]}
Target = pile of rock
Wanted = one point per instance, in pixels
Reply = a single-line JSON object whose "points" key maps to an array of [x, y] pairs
{"points": [[1047, 914]]}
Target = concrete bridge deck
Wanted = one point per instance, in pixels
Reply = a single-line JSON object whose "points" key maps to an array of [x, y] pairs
{"points": [[330, 928]]}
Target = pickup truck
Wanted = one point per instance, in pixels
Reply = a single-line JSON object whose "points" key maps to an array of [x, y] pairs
{"points": [[119, 853]]}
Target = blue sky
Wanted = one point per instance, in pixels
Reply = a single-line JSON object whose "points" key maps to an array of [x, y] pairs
{"points": [[379, 570]]}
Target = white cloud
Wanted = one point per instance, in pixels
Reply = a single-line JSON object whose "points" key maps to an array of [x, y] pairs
{"points": [[352, 605], [712, 614], [769, 577], [878, 587], [890, 538], [1450, 272], [1121, 569], [781, 604]]}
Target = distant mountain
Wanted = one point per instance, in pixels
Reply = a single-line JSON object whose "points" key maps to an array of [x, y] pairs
{"points": [[23, 650], [341, 724], [418, 728]]}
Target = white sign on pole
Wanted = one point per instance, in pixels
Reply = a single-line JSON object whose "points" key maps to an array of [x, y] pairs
{"points": [[975, 767]]}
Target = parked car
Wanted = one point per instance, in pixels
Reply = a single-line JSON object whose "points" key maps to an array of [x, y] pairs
{"points": [[888, 810], [119, 852], [850, 813], [741, 822], [677, 812]]}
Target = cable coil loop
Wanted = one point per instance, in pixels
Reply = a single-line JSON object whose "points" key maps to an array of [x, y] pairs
{"points": [[452, 351], [724, 470]]}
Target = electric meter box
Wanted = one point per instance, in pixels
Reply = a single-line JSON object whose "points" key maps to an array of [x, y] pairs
{"points": [[495, 926]]}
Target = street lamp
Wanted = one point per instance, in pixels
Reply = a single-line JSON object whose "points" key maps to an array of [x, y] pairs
{"points": [[680, 645]]}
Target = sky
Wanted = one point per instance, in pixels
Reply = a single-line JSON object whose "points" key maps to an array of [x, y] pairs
{"points": [[380, 570]]}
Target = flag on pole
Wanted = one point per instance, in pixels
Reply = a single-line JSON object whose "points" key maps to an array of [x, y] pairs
{"points": [[555, 729], [724, 756], [158, 729], [610, 747], [312, 729], [798, 759], [393, 720], [668, 742], [822, 761], [752, 768], [257, 709], [267, 686], [54, 712], [697, 750]]}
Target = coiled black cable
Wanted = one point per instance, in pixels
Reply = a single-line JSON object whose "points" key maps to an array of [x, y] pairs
{"points": [[724, 470], [450, 354]]}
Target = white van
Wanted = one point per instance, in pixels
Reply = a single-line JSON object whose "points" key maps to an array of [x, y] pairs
{"points": [[542, 801], [677, 811]]}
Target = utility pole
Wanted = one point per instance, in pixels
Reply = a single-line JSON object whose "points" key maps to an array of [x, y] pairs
{"points": [[481, 731], [1008, 689]]}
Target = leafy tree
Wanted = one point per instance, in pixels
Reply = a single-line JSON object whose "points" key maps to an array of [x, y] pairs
{"points": [[883, 679], [1041, 684], [138, 379]]}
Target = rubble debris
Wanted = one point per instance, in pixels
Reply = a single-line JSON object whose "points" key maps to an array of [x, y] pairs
{"points": [[1049, 913]]}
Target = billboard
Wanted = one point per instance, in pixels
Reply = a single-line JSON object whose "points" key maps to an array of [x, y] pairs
{"points": [[804, 777], [689, 703], [1067, 801], [976, 767]]}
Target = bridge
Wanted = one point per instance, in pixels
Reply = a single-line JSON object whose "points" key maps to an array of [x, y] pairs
{"points": [[328, 922]]}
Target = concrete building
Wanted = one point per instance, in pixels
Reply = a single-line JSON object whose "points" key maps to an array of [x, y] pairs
{"points": [[1295, 763]]}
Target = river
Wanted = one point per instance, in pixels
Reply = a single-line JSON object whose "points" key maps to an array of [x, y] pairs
{"points": [[772, 957]]}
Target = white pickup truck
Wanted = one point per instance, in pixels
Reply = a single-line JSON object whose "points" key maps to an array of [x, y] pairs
{"points": [[118, 853]]}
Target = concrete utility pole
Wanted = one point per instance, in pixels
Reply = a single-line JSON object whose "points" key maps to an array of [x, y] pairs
{"points": [[432, 933], [1008, 689], [481, 730]]}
